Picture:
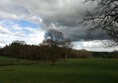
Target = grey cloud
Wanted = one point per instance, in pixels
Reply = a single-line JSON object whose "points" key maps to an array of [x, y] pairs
{"points": [[80, 33], [64, 14], [1, 41]]}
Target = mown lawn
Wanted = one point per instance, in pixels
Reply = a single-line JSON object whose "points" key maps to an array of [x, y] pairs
{"points": [[74, 71]]}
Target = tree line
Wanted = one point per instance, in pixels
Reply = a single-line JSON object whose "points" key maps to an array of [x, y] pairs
{"points": [[34, 52], [41, 52]]}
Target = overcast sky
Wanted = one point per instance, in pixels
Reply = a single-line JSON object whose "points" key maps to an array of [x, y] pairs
{"points": [[29, 19]]}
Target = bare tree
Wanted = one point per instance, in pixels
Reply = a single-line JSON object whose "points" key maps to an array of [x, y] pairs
{"points": [[104, 17], [67, 43], [53, 38]]}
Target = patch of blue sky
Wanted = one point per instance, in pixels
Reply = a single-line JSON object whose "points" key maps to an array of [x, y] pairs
{"points": [[22, 23], [23, 27], [25, 23]]}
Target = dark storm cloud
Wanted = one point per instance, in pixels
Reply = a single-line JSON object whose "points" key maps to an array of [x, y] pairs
{"points": [[80, 33]]}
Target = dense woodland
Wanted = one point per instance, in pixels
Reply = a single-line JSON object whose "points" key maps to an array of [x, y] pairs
{"points": [[41, 52]]}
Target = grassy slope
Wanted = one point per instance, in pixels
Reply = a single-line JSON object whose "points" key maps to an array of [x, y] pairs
{"points": [[74, 71]]}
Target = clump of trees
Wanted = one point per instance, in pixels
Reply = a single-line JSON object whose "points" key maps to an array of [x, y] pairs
{"points": [[81, 54], [31, 52]]}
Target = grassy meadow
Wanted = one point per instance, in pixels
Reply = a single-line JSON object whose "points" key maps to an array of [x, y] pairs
{"points": [[74, 71]]}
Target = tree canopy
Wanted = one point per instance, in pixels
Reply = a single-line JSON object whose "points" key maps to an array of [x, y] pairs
{"points": [[53, 37]]}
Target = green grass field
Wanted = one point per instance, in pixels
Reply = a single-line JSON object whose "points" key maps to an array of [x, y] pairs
{"points": [[74, 71]]}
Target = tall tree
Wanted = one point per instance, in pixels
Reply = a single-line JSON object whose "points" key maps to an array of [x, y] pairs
{"points": [[53, 39], [104, 17], [67, 43]]}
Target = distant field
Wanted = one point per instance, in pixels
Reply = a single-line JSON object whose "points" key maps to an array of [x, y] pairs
{"points": [[6, 61], [74, 71]]}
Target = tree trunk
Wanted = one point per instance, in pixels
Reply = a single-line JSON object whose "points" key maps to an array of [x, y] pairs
{"points": [[52, 56], [66, 56]]}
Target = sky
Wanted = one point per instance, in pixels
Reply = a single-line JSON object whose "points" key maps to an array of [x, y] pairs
{"points": [[28, 20]]}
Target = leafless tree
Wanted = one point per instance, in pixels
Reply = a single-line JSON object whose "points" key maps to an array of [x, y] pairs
{"points": [[104, 17], [67, 43], [53, 38]]}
